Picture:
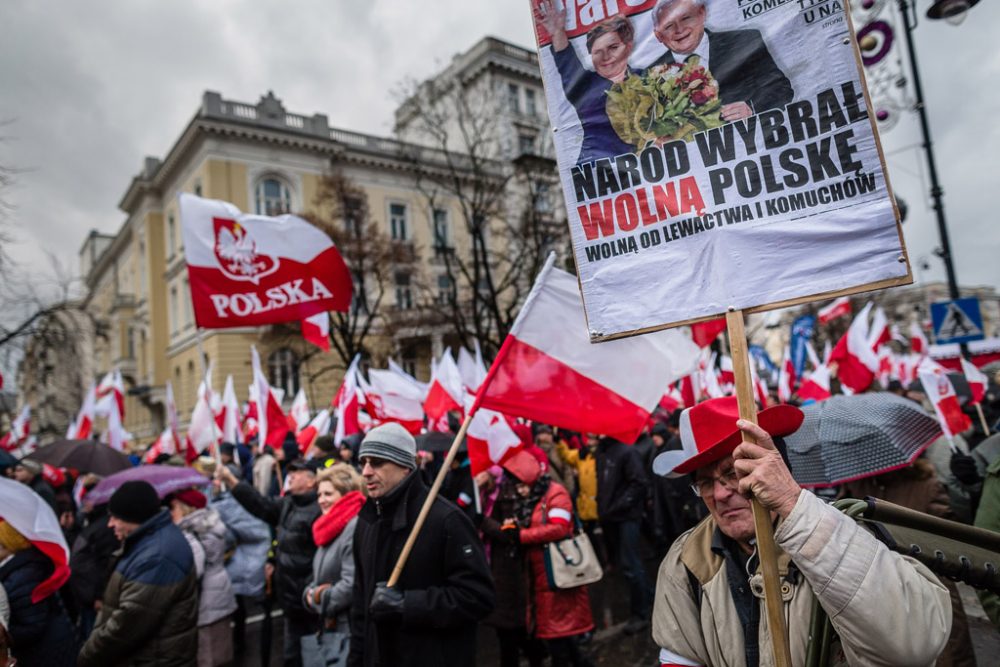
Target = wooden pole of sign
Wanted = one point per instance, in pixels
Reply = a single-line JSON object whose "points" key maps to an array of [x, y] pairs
{"points": [[404, 555], [767, 550]]}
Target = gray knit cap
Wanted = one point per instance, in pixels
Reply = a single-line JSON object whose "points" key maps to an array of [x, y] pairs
{"points": [[391, 442]]}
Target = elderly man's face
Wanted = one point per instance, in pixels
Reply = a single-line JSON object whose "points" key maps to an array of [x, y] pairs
{"points": [[381, 476], [23, 475], [301, 482], [681, 26], [121, 528], [719, 489]]}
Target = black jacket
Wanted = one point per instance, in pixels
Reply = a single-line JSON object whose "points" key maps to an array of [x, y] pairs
{"points": [[743, 67], [90, 560], [446, 582], [622, 484], [293, 517], [40, 633]]}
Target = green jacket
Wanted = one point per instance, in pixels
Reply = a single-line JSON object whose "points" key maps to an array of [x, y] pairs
{"points": [[988, 516]]}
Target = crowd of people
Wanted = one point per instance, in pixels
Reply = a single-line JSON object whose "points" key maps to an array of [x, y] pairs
{"points": [[173, 580]]}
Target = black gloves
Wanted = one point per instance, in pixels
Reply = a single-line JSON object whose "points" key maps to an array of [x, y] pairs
{"points": [[963, 467], [386, 602], [503, 534]]}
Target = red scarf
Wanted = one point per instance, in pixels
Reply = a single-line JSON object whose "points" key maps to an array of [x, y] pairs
{"points": [[328, 526]]}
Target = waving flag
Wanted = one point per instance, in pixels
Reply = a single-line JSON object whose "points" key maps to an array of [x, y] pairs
{"points": [[447, 390], [941, 394], [83, 426], [31, 516], [249, 270], [918, 341], [853, 354], [816, 385], [316, 330], [317, 427], [491, 440], [834, 309], [547, 358], [299, 411], [472, 369], [20, 428], [802, 331], [111, 389], [271, 423], [392, 398], [978, 382], [347, 402], [703, 333], [786, 377]]}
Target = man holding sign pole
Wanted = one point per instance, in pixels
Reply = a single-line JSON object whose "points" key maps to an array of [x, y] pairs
{"points": [[887, 609]]}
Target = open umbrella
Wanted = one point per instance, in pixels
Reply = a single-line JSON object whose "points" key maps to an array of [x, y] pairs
{"points": [[165, 479], [850, 437], [84, 455]]}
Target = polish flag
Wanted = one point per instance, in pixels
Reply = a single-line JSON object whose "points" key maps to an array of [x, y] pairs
{"points": [[202, 431], [173, 421], [710, 381], [918, 341], [703, 333], [726, 375], [786, 377], [166, 443], [316, 330], [835, 309], [271, 423], [472, 369], [231, 419], [853, 354], [317, 427], [116, 435], [447, 390], [490, 439], [879, 332], [392, 398], [250, 270], [672, 400], [300, 410], [978, 382], [83, 426], [816, 385], [942, 395], [759, 387], [688, 390], [547, 357], [421, 388], [111, 388], [347, 402], [20, 428], [31, 516]]}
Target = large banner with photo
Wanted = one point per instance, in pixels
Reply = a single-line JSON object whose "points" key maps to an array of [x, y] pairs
{"points": [[714, 154]]}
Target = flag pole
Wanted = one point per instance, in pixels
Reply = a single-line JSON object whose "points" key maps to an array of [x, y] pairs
{"points": [[766, 548], [982, 419], [431, 496]]}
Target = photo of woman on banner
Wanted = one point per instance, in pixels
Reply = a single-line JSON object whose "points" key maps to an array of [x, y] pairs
{"points": [[749, 80], [610, 44]]}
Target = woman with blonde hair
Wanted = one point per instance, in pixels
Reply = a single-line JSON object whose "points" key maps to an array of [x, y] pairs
{"points": [[329, 593]]}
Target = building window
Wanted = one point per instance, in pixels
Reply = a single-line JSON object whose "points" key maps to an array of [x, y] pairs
{"points": [[197, 188], [352, 216], [397, 222], [404, 291], [444, 290], [513, 98], [273, 197], [171, 235], [442, 237], [188, 311], [530, 105], [283, 370], [359, 300], [408, 360], [174, 321], [526, 143], [542, 198], [130, 343]]}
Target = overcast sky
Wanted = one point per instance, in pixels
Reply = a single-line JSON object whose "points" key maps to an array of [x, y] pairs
{"points": [[92, 87]]}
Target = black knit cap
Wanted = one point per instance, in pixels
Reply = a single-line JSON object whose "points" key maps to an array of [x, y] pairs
{"points": [[135, 502]]}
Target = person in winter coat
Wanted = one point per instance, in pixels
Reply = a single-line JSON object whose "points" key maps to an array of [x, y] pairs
{"points": [[149, 611], [543, 513], [292, 515], [40, 630], [429, 618], [29, 472], [622, 487], [90, 558], [5, 652], [988, 516], [206, 535], [329, 593], [887, 609], [248, 541]]}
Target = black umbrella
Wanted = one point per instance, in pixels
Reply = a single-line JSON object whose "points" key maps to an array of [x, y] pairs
{"points": [[850, 437], [437, 442], [84, 455]]}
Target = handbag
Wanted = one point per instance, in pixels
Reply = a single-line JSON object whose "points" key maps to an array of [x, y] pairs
{"points": [[325, 649], [572, 562]]}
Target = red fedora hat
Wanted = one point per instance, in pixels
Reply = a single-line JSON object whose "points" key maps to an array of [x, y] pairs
{"points": [[709, 433]]}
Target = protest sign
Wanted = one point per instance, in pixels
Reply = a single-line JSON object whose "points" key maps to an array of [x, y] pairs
{"points": [[714, 155]]}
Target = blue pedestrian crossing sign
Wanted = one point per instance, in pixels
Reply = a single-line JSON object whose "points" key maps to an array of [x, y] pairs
{"points": [[958, 321]]}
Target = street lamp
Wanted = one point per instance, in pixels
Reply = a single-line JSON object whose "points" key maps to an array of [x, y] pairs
{"points": [[954, 12]]}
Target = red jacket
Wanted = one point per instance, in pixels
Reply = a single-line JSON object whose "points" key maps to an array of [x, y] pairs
{"points": [[552, 613]]}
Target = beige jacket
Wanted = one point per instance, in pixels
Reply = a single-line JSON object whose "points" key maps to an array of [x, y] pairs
{"points": [[888, 609]]}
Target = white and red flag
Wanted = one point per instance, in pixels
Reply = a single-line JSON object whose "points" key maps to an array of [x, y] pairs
{"points": [[978, 382], [83, 426], [879, 332], [703, 333], [116, 436], [672, 400], [31, 516], [249, 270], [836, 308], [471, 368], [111, 389], [548, 357], [203, 430], [941, 394], [392, 398], [348, 402], [918, 341], [816, 385], [166, 443], [420, 388], [491, 440], [856, 362], [786, 376], [20, 428], [231, 413], [316, 330], [447, 391], [272, 426], [317, 427], [299, 411]]}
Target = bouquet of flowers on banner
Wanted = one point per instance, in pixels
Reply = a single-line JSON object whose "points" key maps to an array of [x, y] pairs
{"points": [[673, 101]]}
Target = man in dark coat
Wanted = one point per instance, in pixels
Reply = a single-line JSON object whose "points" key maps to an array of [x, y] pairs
{"points": [[149, 611], [92, 552], [429, 617], [292, 515], [29, 472], [622, 488], [749, 79]]}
